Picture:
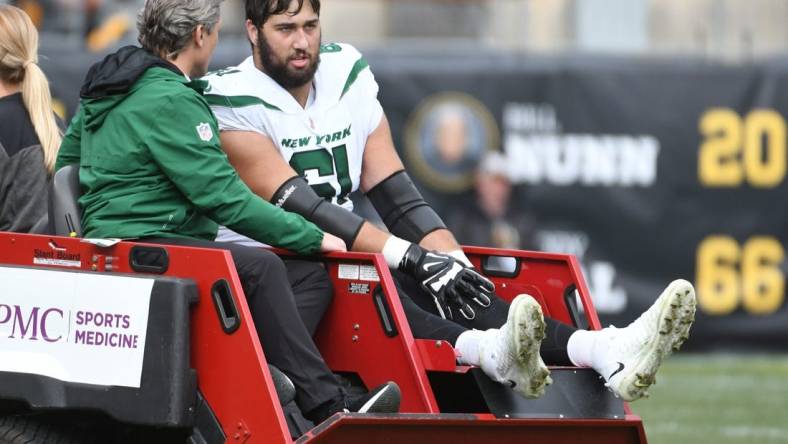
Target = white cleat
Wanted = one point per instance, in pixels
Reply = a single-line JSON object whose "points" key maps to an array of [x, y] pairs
{"points": [[635, 353], [510, 355]]}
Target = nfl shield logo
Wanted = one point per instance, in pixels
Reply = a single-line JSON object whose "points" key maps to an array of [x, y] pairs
{"points": [[204, 131]]}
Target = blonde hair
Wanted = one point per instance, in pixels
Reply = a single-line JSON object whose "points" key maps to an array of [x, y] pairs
{"points": [[19, 64]]}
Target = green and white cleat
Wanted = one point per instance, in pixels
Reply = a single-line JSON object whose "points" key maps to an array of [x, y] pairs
{"points": [[510, 355], [635, 353]]}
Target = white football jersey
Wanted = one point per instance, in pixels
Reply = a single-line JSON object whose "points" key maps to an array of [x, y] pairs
{"points": [[324, 142]]}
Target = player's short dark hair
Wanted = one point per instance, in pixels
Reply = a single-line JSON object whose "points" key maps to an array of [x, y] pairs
{"points": [[259, 11]]}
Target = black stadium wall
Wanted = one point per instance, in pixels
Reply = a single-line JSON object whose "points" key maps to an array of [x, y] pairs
{"points": [[647, 170]]}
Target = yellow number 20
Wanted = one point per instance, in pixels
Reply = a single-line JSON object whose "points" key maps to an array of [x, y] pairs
{"points": [[734, 149], [729, 275]]}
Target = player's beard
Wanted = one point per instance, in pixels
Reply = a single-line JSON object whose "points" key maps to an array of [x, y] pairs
{"points": [[280, 71]]}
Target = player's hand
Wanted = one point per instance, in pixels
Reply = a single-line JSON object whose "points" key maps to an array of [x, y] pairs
{"points": [[332, 243], [474, 287], [445, 279]]}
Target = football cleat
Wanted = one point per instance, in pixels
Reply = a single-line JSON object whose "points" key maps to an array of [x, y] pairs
{"points": [[510, 355], [634, 353]]}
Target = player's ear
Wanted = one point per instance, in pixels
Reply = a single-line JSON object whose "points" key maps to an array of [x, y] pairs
{"points": [[251, 32]]}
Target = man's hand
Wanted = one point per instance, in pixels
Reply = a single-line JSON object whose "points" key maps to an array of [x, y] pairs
{"points": [[332, 243], [451, 284], [476, 286], [472, 286]]}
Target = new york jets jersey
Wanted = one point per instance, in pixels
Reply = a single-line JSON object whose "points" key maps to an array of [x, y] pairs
{"points": [[324, 141]]}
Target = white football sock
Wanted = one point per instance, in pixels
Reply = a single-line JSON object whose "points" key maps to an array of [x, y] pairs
{"points": [[590, 349], [468, 346], [580, 348]]}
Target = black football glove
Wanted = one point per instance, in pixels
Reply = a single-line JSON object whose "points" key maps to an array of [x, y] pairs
{"points": [[449, 283], [472, 286]]}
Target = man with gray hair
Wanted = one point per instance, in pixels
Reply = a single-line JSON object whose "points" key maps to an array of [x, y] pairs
{"points": [[151, 168]]}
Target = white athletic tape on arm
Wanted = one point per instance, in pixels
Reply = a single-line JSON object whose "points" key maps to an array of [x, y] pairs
{"points": [[394, 250]]}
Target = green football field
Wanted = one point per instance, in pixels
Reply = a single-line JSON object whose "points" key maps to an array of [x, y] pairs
{"points": [[718, 399]]}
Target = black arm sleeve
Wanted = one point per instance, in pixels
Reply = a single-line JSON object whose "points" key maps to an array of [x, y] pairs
{"points": [[402, 208], [296, 196]]}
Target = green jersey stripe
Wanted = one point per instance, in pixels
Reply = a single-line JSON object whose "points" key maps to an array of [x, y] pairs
{"points": [[360, 65], [237, 101]]}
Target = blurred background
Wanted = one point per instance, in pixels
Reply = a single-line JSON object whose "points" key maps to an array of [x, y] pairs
{"points": [[646, 137], [728, 30]]}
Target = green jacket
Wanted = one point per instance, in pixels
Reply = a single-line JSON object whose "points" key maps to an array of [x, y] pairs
{"points": [[151, 163]]}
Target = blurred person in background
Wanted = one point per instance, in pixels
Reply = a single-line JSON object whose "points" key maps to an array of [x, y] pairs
{"points": [[62, 16], [489, 221], [34, 10], [451, 140], [107, 23], [29, 133], [451, 151]]}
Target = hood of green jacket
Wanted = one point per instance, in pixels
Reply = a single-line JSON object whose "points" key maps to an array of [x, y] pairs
{"points": [[111, 80]]}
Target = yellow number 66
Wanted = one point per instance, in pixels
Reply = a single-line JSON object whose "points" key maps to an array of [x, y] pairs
{"points": [[729, 275]]}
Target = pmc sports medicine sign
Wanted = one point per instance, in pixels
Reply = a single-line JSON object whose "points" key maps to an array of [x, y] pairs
{"points": [[74, 327]]}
